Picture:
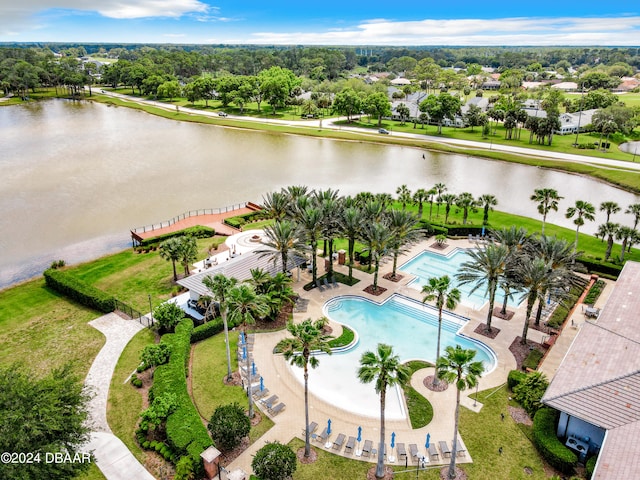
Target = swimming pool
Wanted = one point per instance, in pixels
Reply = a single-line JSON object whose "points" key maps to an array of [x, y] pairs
{"points": [[429, 264], [406, 324]]}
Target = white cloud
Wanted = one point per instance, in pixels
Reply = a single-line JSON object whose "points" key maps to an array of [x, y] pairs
{"points": [[149, 8], [504, 31]]}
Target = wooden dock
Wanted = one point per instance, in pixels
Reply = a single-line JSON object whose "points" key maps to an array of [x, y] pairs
{"points": [[210, 217]]}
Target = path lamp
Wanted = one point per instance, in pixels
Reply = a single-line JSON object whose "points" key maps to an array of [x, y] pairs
{"points": [[150, 309], [475, 400]]}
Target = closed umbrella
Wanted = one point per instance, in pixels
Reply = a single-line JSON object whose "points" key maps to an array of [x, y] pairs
{"points": [[393, 439], [329, 427], [428, 438], [253, 368], [244, 353], [261, 383], [241, 338], [359, 434]]}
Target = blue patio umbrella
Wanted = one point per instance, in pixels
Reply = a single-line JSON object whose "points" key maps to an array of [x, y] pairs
{"points": [[253, 368], [244, 353], [393, 439], [329, 427], [241, 338], [261, 383], [483, 231], [428, 438], [359, 434]]}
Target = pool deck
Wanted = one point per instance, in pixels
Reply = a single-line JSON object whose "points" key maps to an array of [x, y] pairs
{"points": [[279, 379]]}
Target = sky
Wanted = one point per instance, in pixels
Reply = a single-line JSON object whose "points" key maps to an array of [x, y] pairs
{"points": [[323, 22]]}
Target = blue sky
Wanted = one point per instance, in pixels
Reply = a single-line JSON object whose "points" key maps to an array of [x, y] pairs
{"points": [[324, 22]]}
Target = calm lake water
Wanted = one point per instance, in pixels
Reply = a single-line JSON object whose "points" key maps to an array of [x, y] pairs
{"points": [[76, 177]]}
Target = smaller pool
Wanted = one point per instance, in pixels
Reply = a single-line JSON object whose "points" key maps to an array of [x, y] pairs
{"points": [[427, 264]]}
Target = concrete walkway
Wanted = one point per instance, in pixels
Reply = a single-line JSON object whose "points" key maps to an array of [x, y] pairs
{"points": [[112, 456]]}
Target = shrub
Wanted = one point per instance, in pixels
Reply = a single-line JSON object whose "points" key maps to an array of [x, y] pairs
{"points": [[548, 444], [594, 266], [167, 315], [76, 289], [207, 330], [197, 231], [530, 391], [161, 407], [594, 292], [228, 426], [591, 465], [185, 469], [135, 381], [515, 378], [274, 461], [154, 355], [239, 220], [57, 264]]}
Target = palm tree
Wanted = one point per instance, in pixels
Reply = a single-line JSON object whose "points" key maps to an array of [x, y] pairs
{"points": [[445, 294], [188, 252], [275, 204], [608, 230], [308, 337], [310, 223], [378, 237], [283, 238], [634, 209], [440, 188], [609, 208], [331, 208], [516, 239], [547, 199], [403, 225], [487, 202], [431, 196], [624, 234], [385, 369], [486, 267], [170, 250], [404, 196], [350, 227], [457, 366], [533, 277], [582, 211], [220, 286], [448, 199], [466, 202], [420, 197], [244, 307]]}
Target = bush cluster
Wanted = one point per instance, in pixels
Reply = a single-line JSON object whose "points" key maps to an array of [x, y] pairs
{"points": [[135, 381], [515, 378], [530, 391], [228, 426], [154, 355], [274, 461], [186, 435], [548, 444], [239, 220], [74, 288], [594, 292], [606, 269], [591, 465], [197, 231], [207, 330]]}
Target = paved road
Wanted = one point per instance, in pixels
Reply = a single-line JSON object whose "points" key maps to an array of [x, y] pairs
{"points": [[330, 125]]}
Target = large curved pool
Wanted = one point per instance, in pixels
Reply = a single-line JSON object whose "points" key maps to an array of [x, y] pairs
{"points": [[408, 325]]}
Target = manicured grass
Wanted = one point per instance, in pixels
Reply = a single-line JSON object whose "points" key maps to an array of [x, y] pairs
{"points": [[328, 465], [93, 473], [420, 409], [259, 225], [209, 367], [345, 339], [125, 401], [45, 330]]}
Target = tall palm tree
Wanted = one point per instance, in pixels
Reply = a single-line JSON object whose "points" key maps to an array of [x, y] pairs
{"points": [[170, 250], [331, 208], [244, 307], [350, 227], [608, 230], [385, 369], [516, 239], [582, 211], [487, 202], [547, 199], [486, 267], [274, 204], [403, 224], [219, 286], [634, 209], [466, 202], [404, 196], [440, 188], [279, 293], [308, 337], [419, 197], [445, 294], [448, 199], [533, 278], [310, 222], [378, 237], [624, 234], [609, 208], [188, 251], [457, 366], [431, 197], [283, 238]]}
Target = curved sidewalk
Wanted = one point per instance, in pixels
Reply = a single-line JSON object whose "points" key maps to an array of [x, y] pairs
{"points": [[112, 456]]}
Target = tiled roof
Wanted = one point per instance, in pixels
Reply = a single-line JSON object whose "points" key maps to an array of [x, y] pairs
{"points": [[599, 378]]}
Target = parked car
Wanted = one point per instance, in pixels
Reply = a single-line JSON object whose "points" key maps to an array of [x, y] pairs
{"points": [[222, 114], [383, 131]]}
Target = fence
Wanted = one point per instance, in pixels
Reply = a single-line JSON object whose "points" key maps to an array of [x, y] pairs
{"points": [[190, 213], [133, 314]]}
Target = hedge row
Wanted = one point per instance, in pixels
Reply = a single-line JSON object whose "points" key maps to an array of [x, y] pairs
{"points": [[515, 378], [207, 330], [548, 444], [594, 292], [186, 435], [71, 286], [197, 231], [239, 220], [594, 266]]}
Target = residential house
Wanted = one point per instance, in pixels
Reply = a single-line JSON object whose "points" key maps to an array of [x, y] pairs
{"points": [[572, 122], [481, 102], [566, 86], [597, 386]]}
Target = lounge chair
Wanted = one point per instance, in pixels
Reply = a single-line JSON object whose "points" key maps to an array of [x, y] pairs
{"points": [[322, 438], [433, 452], [351, 443], [413, 450], [444, 448], [319, 285], [313, 426], [277, 409], [258, 394], [270, 401], [366, 449], [402, 453], [337, 445]]}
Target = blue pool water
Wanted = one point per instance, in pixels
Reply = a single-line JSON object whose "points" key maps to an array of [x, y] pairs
{"points": [[408, 325], [427, 264]]}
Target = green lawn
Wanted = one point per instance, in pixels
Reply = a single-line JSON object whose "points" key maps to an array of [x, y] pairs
{"points": [[93, 473]]}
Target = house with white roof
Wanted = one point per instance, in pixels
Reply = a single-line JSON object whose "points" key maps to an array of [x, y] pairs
{"points": [[597, 386], [572, 122]]}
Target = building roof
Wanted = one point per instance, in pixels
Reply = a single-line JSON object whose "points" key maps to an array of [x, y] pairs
{"points": [[598, 381], [400, 81], [565, 86]]}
